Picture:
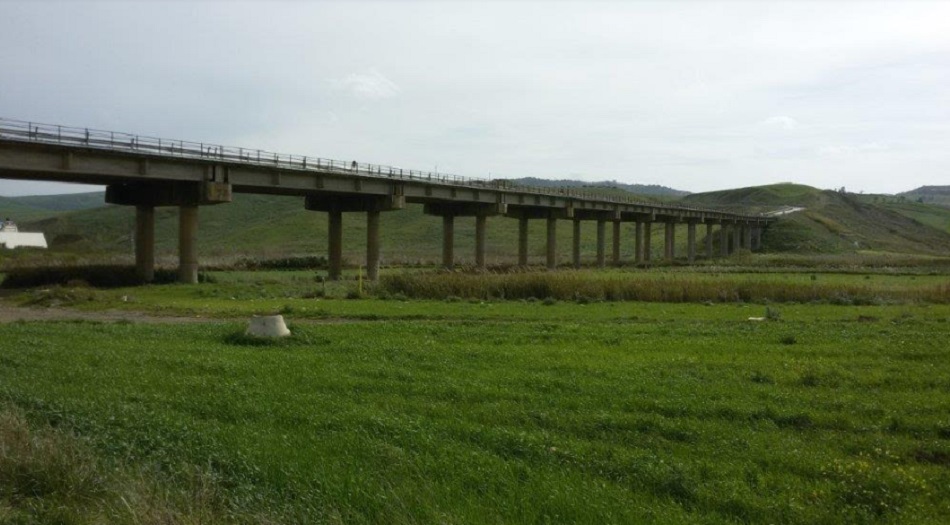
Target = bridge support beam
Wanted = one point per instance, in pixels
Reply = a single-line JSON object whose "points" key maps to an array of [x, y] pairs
{"points": [[615, 243], [188, 244], [372, 245], [691, 242], [709, 240], [145, 243], [601, 241], [552, 243], [647, 241], [481, 226]]}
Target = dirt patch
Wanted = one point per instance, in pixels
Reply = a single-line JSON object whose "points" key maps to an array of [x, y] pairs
{"points": [[11, 314]]}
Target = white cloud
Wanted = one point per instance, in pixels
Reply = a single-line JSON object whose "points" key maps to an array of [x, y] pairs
{"points": [[371, 85], [851, 149], [781, 122]]}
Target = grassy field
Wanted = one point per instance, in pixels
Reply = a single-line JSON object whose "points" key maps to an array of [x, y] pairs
{"points": [[395, 411]]}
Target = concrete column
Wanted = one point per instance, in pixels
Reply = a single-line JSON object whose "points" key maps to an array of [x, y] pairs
{"points": [[188, 244], [552, 243], [448, 241], [691, 242], [616, 243], [372, 245], [672, 241], [601, 241], [522, 241], [733, 239], [723, 240], [709, 240], [335, 244], [747, 234], [145, 243], [481, 224], [576, 247], [647, 241], [638, 242], [668, 240], [756, 238]]}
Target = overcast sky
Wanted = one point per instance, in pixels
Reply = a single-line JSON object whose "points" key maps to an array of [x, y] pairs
{"points": [[693, 95]]}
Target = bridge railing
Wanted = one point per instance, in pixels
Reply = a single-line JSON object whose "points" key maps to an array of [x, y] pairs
{"points": [[25, 131]]}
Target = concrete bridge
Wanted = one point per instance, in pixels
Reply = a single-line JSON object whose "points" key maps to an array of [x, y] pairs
{"points": [[146, 172]]}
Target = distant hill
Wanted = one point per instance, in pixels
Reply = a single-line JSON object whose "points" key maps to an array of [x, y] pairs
{"points": [[834, 222], [33, 207], [939, 195], [65, 202], [650, 190]]}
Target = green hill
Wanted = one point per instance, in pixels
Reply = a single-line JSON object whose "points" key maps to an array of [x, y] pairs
{"points": [[835, 222], [65, 202], [13, 208], [939, 195]]}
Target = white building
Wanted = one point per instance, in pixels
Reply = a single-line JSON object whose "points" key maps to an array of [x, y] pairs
{"points": [[12, 237]]}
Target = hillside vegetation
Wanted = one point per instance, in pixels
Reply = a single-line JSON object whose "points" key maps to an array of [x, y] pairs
{"points": [[278, 226], [939, 195], [834, 222]]}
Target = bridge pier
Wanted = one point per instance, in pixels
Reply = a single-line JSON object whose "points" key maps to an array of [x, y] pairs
{"points": [[448, 242], [601, 243], [638, 242], [709, 240], [334, 244], [576, 243], [747, 236], [723, 240], [188, 244], [552, 243], [647, 241], [481, 225], [669, 239], [615, 242], [372, 245], [187, 196], [691, 242], [145, 243], [522, 241], [335, 206]]}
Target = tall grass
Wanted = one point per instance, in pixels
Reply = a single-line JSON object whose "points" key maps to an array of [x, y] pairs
{"points": [[48, 475], [673, 288]]}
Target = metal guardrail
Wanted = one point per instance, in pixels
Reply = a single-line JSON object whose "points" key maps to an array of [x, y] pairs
{"points": [[25, 131]]}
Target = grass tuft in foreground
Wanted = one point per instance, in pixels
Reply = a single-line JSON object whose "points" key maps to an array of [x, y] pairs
{"points": [[49, 475]]}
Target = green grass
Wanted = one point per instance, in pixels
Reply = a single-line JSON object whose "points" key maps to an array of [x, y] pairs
{"points": [[307, 295], [612, 413]]}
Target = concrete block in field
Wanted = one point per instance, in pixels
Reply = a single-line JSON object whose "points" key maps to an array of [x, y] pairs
{"points": [[268, 326]]}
